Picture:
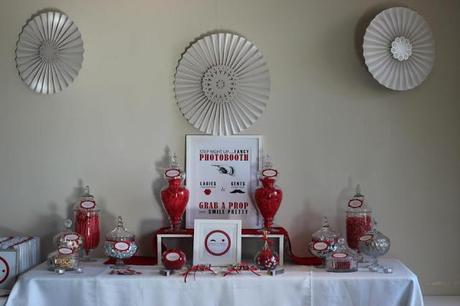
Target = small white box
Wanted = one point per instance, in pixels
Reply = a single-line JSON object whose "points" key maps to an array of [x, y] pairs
{"points": [[17, 255], [8, 268]]}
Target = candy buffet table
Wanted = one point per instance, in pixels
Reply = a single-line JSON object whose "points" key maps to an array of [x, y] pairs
{"points": [[299, 285]]}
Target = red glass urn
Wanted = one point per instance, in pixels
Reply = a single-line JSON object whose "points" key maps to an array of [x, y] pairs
{"points": [[174, 196], [268, 197]]}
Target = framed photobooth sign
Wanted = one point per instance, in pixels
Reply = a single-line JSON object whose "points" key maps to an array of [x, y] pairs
{"points": [[222, 177], [217, 242]]}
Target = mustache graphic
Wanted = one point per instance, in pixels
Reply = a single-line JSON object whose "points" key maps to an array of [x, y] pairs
{"points": [[237, 191]]}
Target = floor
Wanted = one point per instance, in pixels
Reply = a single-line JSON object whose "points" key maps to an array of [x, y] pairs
{"points": [[429, 301], [442, 300]]}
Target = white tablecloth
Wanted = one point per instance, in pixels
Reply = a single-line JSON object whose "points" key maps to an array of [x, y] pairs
{"points": [[299, 285]]}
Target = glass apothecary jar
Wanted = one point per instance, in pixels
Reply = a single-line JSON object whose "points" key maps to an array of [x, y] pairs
{"points": [[343, 259], [358, 219], [120, 244], [87, 222], [324, 241], [64, 259], [268, 197], [374, 244], [174, 195], [69, 238]]}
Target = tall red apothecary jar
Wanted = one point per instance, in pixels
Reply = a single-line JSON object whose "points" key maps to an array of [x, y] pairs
{"points": [[87, 222], [358, 219], [174, 196]]}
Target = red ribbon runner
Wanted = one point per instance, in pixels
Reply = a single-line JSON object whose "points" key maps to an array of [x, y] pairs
{"points": [[305, 261], [197, 268]]}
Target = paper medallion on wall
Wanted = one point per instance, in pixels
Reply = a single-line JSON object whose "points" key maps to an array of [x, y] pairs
{"points": [[399, 48], [49, 52], [222, 84]]}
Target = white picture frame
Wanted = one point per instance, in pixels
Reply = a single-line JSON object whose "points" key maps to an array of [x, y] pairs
{"points": [[222, 178], [217, 242]]}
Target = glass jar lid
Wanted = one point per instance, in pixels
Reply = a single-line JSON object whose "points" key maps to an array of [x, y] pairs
{"points": [[119, 233], [68, 237], [358, 203], [325, 233], [343, 252], [174, 171], [86, 201], [268, 171]]}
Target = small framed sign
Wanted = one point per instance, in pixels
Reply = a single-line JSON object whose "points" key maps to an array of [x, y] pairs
{"points": [[222, 177], [217, 242]]}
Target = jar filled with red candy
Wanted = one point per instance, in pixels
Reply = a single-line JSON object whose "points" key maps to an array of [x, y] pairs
{"points": [[174, 196], [87, 222], [268, 196], [266, 258], [343, 259], [358, 219], [173, 259]]}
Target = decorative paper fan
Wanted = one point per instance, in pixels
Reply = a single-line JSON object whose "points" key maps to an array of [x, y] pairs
{"points": [[399, 48], [49, 52], [222, 84]]}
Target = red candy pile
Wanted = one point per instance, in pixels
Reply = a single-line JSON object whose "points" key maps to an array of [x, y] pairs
{"points": [[175, 198], [87, 225], [357, 226]]}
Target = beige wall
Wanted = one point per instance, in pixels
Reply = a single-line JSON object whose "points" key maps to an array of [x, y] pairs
{"points": [[328, 126]]}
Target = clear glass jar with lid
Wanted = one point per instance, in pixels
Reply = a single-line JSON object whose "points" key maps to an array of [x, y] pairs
{"points": [[323, 241], [358, 219], [87, 222], [343, 259], [374, 244], [120, 244], [64, 259], [69, 238]]}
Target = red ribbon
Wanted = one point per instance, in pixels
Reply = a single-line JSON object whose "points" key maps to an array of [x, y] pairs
{"points": [[241, 267], [197, 268]]}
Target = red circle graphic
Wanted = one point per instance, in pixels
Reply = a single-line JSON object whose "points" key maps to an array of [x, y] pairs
{"points": [[217, 253]]}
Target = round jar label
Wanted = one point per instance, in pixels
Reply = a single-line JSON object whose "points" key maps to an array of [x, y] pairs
{"points": [[65, 251], [173, 256], [4, 269], [320, 246], [172, 173], [339, 255], [71, 237], [88, 204], [270, 172], [121, 246], [366, 237], [355, 203]]}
